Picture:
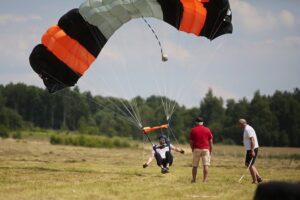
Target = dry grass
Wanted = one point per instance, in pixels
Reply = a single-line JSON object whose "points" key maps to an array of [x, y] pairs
{"points": [[37, 170]]}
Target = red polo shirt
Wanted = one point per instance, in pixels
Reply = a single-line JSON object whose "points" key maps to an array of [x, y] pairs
{"points": [[200, 136]]}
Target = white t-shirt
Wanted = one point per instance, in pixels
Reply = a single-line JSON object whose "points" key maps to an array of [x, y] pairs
{"points": [[161, 150], [249, 132]]}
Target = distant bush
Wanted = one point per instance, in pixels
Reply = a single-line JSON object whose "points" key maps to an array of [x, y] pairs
{"points": [[90, 141], [17, 135], [4, 132], [228, 142]]}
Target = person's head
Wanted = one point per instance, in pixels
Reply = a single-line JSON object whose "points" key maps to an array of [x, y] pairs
{"points": [[242, 123], [162, 139], [199, 121]]}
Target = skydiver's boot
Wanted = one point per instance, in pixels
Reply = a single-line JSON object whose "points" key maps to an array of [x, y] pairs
{"points": [[164, 170], [167, 169]]}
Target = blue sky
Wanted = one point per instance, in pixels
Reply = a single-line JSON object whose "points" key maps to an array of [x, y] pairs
{"points": [[261, 54]]}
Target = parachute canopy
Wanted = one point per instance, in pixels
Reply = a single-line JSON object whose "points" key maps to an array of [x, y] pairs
{"points": [[69, 48]]}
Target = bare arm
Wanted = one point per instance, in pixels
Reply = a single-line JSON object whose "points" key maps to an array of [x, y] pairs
{"points": [[191, 145], [150, 159], [210, 146], [177, 149], [252, 141]]}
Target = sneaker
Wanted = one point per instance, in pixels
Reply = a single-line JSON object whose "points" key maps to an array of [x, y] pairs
{"points": [[259, 180], [163, 170], [167, 169]]}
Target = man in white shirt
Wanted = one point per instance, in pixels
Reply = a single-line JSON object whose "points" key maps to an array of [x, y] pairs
{"points": [[251, 146]]}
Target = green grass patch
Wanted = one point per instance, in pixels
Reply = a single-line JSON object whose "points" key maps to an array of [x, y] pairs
{"points": [[90, 141]]}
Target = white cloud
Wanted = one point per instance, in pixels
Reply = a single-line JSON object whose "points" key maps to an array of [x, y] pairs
{"points": [[291, 41], [202, 86], [30, 78], [15, 47], [177, 51], [250, 18], [287, 18], [10, 18], [255, 20], [271, 44]]}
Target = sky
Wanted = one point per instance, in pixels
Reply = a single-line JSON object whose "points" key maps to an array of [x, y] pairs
{"points": [[262, 53]]}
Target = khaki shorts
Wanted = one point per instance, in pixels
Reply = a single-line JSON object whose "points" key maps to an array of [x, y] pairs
{"points": [[203, 154]]}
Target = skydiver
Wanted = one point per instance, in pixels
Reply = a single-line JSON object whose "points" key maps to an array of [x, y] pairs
{"points": [[162, 154]]}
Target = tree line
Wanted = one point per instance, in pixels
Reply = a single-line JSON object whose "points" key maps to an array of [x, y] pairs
{"points": [[276, 118]]}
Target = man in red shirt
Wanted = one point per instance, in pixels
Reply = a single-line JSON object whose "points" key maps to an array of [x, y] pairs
{"points": [[201, 142]]}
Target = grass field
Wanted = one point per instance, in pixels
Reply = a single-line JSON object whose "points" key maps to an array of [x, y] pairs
{"points": [[35, 169]]}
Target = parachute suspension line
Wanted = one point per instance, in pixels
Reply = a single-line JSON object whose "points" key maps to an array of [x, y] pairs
{"points": [[172, 110], [135, 115], [123, 115], [132, 112], [129, 116], [137, 112], [134, 109], [164, 106], [165, 102], [169, 110], [164, 57], [171, 131], [168, 104], [133, 105]]}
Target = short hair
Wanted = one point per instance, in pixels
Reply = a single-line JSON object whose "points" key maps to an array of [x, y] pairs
{"points": [[162, 137], [242, 121], [199, 120]]}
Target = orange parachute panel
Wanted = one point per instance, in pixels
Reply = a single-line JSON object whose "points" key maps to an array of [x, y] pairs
{"points": [[68, 50], [193, 17]]}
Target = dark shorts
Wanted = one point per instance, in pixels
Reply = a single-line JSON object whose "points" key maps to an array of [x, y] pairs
{"points": [[249, 157]]}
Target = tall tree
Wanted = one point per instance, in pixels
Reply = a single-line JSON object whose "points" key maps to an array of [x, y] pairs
{"points": [[211, 108], [263, 120]]}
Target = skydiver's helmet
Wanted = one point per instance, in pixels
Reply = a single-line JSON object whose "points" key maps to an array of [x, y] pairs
{"points": [[163, 140]]}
